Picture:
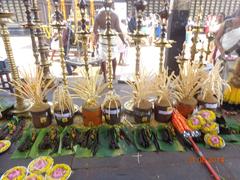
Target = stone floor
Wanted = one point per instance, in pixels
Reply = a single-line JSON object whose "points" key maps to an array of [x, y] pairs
{"points": [[162, 165]]}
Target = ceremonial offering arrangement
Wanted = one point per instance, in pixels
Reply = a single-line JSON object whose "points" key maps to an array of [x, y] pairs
{"points": [[59, 171], [18, 172], [40, 165], [4, 145]]}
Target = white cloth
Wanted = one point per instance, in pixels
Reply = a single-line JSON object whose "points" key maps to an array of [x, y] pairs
{"points": [[55, 45], [103, 47]]}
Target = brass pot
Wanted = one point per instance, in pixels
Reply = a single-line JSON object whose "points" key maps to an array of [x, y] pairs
{"points": [[187, 106]]}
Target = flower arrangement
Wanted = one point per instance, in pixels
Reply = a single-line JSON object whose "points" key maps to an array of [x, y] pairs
{"points": [[40, 165], [18, 173], [59, 171]]}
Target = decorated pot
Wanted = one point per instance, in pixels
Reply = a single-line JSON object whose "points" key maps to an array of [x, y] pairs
{"points": [[162, 111], [112, 112], [63, 119], [92, 115], [41, 115], [187, 106], [142, 111], [209, 102]]}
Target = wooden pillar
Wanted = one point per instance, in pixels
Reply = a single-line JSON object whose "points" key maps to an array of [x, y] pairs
{"points": [[176, 31]]}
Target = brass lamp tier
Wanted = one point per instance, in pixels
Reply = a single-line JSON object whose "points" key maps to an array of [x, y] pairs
{"points": [[196, 30], [21, 106], [59, 25], [138, 35], [31, 26], [84, 33], [42, 47]]}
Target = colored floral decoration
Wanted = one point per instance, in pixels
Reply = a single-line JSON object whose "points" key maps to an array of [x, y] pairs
{"points": [[15, 173], [196, 122], [40, 165], [59, 172], [34, 177], [207, 115], [210, 127], [214, 141], [4, 145]]}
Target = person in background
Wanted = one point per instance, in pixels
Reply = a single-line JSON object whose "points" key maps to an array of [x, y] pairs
{"points": [[54, 43], [132, 23], [68, 40], [100, 27], [122, 48]]}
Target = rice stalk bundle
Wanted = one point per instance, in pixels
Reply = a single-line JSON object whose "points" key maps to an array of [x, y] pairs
{"points": [[214, 84], [89, 88], [189, 81], [33, 86], [62, 100]]}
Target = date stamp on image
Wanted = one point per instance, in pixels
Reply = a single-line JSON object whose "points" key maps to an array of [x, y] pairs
{"points": [[211, 160]]}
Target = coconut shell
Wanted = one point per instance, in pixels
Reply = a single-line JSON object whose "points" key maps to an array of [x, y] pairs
{"points": [[143, 105], [163, 103], [112, 104], [209, 98], [39, 107], [189, 101], [235, 81]]}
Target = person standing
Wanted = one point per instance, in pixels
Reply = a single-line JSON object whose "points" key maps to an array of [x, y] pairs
{"points": [[100, 27]]}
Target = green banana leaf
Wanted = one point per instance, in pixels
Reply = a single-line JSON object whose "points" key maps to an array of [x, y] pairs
{"points": [[232, 123], [81, 152], [128, 148], [35, 152], [231, 138], [175, 146], [104, 150], [63, 151], [151, 148]]}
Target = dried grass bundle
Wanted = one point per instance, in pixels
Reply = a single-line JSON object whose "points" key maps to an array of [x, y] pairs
{"points": [[62, 100], [142, 87], [164, 88], [89, 88], [213, 84], [189, 81], [33, 86]]}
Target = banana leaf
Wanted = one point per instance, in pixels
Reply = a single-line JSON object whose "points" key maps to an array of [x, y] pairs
{"points": [[80, 151], [104, 150], [151, 148], [63, 151], [128, 148], [35, 152], [232, 124], [175, 146], [231, 138]]}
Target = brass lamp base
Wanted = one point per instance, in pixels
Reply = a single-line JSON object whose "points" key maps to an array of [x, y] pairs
{"points": [[26, 106]]}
